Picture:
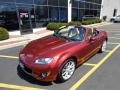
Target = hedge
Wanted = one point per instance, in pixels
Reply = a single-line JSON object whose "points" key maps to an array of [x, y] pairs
{"points": [[88, 22], [3, 34], [76, 23], [56, 26]]}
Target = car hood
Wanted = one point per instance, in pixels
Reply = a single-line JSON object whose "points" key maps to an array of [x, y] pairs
{"points": [[46, 47]]}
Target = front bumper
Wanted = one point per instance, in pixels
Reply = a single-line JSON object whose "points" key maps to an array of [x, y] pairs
{"points": [[46, 73]]}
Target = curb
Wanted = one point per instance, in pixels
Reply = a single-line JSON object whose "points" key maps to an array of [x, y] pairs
{"points": [[13, 39], [98, 24], [27, 40], [102, 24], [13, 45]]}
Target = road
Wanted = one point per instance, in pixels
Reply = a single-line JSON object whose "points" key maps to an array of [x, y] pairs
{"points": [[101, 72]]}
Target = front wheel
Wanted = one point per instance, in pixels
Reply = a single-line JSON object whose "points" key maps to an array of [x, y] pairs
{"points": [[67, 70], [103, 48]]}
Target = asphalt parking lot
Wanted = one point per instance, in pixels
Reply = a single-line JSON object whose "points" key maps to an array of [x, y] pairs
{"points": [[100, 72]]}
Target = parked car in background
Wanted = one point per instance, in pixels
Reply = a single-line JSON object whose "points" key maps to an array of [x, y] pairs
{"points": [[115, 19], [88, 17], [55, 57]]}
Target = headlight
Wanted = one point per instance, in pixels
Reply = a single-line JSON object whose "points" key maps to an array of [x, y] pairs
{"points": [[43, 61]]}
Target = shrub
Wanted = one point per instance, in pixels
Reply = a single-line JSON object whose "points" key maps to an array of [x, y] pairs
{"points": [[62, 24], [55, 26], [3, 34], [76, 23], [87, 22]]}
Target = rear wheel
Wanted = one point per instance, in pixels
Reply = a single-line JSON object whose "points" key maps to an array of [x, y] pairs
{"points": [[115, 21], [103, 48], [112, 20], [67, 70]]}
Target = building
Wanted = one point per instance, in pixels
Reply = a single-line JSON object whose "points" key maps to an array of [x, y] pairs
{"points": [[24, 15], [110, 8]]}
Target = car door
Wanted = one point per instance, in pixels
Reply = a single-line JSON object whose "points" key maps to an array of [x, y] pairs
{"points": [[92, 43], [89, 47]]}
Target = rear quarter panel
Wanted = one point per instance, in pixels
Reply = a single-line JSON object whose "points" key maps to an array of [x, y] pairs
{"points": [[103, 36]]}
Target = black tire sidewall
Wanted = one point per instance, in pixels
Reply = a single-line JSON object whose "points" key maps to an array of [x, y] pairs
{"points": [[101, 50]]}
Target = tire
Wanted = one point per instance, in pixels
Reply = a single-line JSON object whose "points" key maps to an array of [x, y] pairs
{"points": [[115, 21], [112, 20], [103, 47], [66, 70]]}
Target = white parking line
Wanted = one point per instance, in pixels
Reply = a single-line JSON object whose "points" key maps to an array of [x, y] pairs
{"points": [[117, 34], [114, 37], [107, 50], [113, 31], [112, 43], [89, 64]]}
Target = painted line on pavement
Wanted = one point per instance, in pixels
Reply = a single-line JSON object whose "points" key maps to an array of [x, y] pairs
{"points": [[89, 64], [117, 34], [107, 51], [112, 43], [111, 30], [9, 86], [4, 56], [114, 37], [13, 45], [88, 74]]}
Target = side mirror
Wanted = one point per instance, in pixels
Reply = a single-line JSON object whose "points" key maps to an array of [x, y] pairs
{"points": [[92, 39]]}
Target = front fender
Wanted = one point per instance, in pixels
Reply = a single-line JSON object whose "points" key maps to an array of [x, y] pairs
{"points": [[64, 57]]}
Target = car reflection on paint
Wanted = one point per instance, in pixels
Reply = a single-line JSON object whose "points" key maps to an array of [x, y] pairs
{"points": [[55, 57]]}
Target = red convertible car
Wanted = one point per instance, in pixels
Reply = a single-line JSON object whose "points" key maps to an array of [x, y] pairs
{"points": [[55, 57]]}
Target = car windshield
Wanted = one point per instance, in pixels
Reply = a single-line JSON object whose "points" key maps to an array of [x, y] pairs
{"points": [[71, 33]]}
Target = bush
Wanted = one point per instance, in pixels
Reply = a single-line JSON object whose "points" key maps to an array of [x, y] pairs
{"points": [[76, 23], [3, 34], [87, 22], [55, 26]]}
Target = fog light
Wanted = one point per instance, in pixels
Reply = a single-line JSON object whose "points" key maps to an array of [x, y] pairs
{"points": [[43, 75]]}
